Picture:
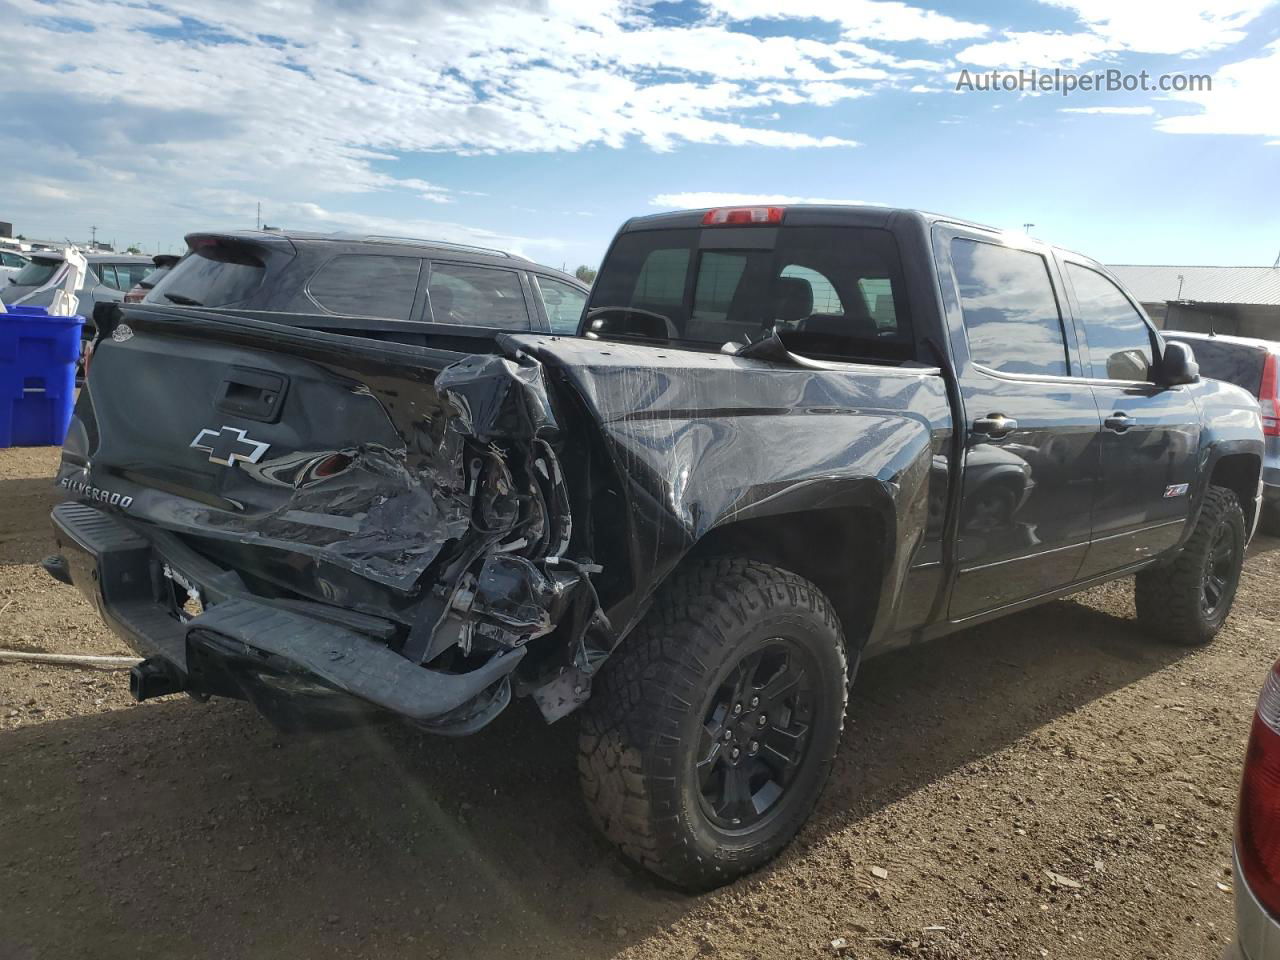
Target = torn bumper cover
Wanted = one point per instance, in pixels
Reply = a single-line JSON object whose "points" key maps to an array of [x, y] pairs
{"points": [[439, 651], [289, 665]]}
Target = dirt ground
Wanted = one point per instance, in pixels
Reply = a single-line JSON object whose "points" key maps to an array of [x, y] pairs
{"points": [[1059, 741]]}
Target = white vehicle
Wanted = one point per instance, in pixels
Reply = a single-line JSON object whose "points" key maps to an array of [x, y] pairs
{"points": [[11, 261]]}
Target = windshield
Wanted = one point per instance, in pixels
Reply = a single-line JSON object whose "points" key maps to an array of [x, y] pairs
{"points": [[833, 291], [36, 272], [213, 275]]}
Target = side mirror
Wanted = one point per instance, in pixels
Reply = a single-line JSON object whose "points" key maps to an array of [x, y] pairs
{"points": [[1178, 365]]}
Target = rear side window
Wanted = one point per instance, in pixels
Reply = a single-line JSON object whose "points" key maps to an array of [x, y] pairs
{"points": [[1011, 315], [365, 285], [564, 303], [477, 297], [1236, 363], [1119, 342], [212, 275]]}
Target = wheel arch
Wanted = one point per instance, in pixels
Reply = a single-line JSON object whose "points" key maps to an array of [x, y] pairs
{"points": [[1239, 469], [843, 542]]}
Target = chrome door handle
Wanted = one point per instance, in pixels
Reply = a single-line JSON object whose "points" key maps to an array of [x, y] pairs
{"points": [[995, 426], [1119, 422]]}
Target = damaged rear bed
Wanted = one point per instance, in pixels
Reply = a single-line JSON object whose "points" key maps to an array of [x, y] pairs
{"points": [[327, 525]]}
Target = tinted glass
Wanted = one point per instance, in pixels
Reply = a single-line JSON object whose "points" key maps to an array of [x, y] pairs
{"points": [[106, 273], [37, 272], [802, 282], [363, 285], [214, 275], [564, 303], [1237, 363], [1119, 342], [155, 276], [477, 297], [1010, 313], [129, 274]]}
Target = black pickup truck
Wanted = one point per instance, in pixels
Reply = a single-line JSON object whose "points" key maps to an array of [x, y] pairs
{"points": [[784, 440]]}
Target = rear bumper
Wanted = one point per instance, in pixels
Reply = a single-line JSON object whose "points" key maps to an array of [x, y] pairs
{"points": [[1257, 934], [296, 669]]}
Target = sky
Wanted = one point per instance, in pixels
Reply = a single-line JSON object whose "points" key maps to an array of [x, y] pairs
{"points": [[539, 126]]}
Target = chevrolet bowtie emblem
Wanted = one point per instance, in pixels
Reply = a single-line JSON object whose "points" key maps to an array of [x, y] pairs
{"points": [[228, 445]]}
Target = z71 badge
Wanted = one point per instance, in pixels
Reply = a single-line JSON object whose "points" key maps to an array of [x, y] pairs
{"points": [[1176, 490]]}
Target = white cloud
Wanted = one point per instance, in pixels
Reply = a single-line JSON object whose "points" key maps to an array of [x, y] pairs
{"points": [[1166, 26], [1184, 27], [698, 199], [1067, 50], [1243, 100], [859, 19], [1118, 111], [298, 101]]}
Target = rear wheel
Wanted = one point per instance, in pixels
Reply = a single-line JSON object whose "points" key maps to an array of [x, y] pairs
{"points": [[1188, 600], [710, 732]]}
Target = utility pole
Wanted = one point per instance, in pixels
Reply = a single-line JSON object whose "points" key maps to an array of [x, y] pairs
{"points": [[258, 222], [1026, 228], [93, 242]]}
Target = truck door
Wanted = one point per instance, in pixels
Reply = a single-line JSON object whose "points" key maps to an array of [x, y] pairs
{"points": [[1150, 433], [1031, 464]]}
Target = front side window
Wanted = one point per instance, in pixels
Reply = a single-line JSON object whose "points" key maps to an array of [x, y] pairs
{"points": [[564, 303], [1011, 315], [1119, 341], [477, 297], [107, 274], [367, 285]]}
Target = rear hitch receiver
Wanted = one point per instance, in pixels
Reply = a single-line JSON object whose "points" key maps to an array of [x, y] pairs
{"points": [[154, 678], [56, 567]]}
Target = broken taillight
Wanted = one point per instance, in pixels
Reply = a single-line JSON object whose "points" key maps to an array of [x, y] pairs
{"points": [[1269, 397], [728, 216], [1258, 821]]}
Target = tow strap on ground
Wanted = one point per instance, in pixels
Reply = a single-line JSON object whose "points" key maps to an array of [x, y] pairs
{"points": [[70, 659]]}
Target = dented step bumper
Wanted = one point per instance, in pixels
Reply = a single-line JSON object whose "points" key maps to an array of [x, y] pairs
{"points": [[297, 669]]}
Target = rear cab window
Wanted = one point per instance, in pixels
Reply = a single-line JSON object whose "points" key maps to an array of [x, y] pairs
{"points": [[39, 271], [215, 273], [828, 292]]}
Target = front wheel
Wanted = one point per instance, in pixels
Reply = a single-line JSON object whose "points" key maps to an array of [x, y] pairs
{"points": [[1187, 601], [711, 731]]}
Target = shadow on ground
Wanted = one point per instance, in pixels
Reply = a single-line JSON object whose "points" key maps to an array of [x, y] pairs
{"points": [[179, 829], [24, 519]]}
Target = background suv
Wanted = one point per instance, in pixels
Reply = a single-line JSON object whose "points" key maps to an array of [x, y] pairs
{"points": [[1255, 366], [385, 281]]}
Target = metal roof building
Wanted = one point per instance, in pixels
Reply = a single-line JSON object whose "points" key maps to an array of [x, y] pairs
{"points": [[1234, 300]]}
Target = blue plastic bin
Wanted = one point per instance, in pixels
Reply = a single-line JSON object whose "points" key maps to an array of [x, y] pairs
{"points": [[38, 355]]}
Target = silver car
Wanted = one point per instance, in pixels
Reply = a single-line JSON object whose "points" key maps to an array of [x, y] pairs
{"points": [[1254, 365]]}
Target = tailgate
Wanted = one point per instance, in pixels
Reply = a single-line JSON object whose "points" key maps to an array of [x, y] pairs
{"points": [[316, 446]]}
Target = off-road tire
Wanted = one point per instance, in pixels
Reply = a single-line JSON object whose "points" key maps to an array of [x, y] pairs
{"points": [[1169, 597], [640, 730]]}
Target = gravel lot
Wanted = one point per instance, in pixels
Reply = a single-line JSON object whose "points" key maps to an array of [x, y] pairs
{"points": [[1053, 785]]}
